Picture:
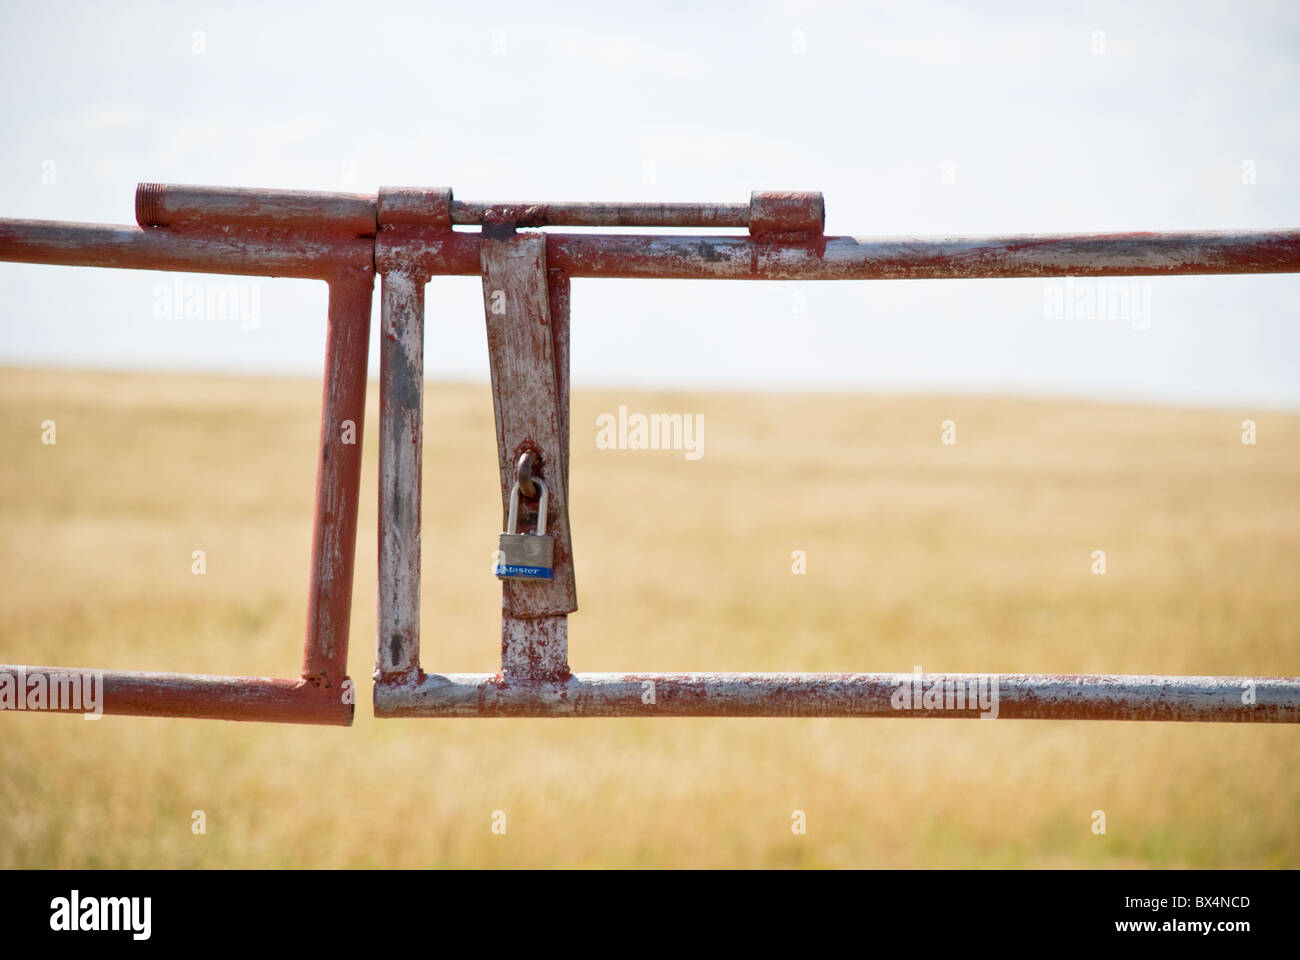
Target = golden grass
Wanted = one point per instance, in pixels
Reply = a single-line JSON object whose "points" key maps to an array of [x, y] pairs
{"points": [[973, 557]]}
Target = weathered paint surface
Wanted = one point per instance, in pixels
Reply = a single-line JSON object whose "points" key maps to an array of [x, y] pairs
{"points": [[528, 213], [401, 457], [170, 204], [261, 251], [557, 283], [786, 216], [1019, 696], [527, 401], [257, 699], [535, 649], [414, 207], [248, 251], [338, 479], [850, 258]]}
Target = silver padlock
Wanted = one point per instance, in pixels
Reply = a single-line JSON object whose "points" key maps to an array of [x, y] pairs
{"points": [[526, 556]]}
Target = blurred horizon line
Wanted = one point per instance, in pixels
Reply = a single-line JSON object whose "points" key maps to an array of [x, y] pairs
{"points": [[793, 388]]}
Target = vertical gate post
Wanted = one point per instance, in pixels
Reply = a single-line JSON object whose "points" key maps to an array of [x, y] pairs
{"points": [[528, 347], [401, 457], [404, 215]]}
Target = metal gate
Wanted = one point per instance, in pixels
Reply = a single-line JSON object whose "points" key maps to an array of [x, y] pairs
{"points": [[408, 235]]}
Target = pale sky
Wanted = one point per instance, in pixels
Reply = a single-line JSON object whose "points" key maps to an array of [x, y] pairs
{"points": [[1109, 117]]}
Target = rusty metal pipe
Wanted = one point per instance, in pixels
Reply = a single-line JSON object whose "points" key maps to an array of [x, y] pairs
{"points": [[768, 212], [786, 215], [401, 457], [169, 204], [174, 204], [1019, 696], [850, 258], [197, 696], [525, 213], [847, 258], [338, 479], [666, 257], [246, 251]]}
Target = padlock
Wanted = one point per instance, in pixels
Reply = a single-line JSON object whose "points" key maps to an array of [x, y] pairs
{"points": [[526, 556]]}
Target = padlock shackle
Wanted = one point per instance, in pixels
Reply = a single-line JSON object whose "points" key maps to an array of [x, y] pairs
{"points": [[512, 521]]}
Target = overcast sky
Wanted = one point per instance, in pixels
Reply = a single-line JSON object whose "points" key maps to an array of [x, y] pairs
{"points": [[912, 118]]}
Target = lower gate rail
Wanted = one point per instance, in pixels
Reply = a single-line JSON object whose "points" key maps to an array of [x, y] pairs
{"points": [[407, 235]]}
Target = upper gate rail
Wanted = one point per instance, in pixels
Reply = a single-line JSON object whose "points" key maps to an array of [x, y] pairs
{"points": [[314, 234]]}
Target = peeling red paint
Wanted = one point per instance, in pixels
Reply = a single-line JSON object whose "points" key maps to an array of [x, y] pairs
{"points": [[196, 696], [1019, 697]]}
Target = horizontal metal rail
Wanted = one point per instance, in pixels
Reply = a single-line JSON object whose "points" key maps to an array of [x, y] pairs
{"points": [[248, 251], [880, 695], [665, 257], [578, 214], [198, 696], [853, 258], [167, 205]]}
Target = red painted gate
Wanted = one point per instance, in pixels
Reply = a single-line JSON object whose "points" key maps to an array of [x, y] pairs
{"points": [[407, 235]]}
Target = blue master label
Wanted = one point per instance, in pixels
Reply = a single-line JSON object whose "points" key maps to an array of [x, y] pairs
{"points": [[517, 571]]}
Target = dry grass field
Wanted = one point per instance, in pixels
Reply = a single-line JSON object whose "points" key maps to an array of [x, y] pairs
{"points": [[972, 557]]}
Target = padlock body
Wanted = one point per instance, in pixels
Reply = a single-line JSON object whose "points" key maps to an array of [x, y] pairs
{"points": [[525, 556]]}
